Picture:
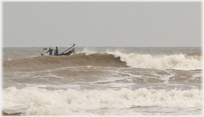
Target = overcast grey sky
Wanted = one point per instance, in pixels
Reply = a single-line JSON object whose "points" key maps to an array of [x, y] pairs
{"points": [[119, 24]]}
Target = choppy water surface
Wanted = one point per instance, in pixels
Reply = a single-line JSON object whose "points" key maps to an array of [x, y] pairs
{"points": [[103, 81]]}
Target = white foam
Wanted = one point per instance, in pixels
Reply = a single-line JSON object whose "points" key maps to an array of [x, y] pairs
{"points": [[88, 51], [18, 109], [180, 61], [70, 101]]}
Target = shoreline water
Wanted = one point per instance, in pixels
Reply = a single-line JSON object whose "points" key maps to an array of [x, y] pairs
{"points": [[104, 81]]}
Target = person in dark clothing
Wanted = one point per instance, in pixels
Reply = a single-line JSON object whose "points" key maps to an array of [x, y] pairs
{"points": [[56, 51], [50, 51]]}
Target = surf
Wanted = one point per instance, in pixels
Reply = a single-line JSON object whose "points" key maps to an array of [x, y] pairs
{"points": [[174, 61], [71, 100]]}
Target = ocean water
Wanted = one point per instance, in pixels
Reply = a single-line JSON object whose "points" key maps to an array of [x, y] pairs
{"points": [[164, 81]]}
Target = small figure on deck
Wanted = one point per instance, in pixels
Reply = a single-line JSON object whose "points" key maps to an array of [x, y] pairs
{"points": [[56, 52], [50, 51]]}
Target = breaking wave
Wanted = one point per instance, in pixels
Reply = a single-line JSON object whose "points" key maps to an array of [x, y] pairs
{"points": [[61, 102], [110, 59], [177, 61]]}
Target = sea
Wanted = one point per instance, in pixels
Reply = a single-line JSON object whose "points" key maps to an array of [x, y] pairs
{"points": [[103, 81]]}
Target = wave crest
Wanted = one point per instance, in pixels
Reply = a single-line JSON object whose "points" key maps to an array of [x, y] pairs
{"points": [[179, 61]]}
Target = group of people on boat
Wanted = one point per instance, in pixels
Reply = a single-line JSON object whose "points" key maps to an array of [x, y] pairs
{"points": [[50, 51], [68, 51]]}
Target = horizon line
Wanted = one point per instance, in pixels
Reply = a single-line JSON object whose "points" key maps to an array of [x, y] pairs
{"points": [[98, 46]]}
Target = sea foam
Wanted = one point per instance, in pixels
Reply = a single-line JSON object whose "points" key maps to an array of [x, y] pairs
{"points": [[44, 101]]}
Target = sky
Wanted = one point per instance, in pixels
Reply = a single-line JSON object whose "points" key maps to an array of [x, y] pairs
{"points": [[99, 24]]}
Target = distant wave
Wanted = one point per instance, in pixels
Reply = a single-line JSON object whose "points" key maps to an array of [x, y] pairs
{"points": [[107, 59]]}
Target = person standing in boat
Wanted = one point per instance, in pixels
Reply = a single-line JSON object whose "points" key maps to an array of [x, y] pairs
{"points": [[50, 51], [56, 51]]}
